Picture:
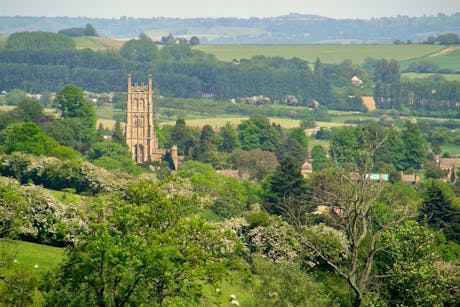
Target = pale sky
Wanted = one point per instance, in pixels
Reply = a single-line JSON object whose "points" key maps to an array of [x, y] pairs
{"points": [[226, 8]]}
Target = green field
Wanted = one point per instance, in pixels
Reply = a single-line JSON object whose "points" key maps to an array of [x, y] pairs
{"points": [[451, 149], [447, 59], [327, 53], [34, 256], [221, 121], [97, 43], [413, 75]]}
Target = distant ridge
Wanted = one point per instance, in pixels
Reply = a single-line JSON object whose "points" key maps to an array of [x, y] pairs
{"points": [[287, 29]]}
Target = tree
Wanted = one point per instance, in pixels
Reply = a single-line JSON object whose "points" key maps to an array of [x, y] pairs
{"points": [[256, 163], [229, 139], [414, 148], [206, 151], [194, 41], [440, 210], [361, 211], [90, 30], [319, 157], [15, 96], [28, 110], [28, 138], [182, 137], [448, 39], [287, 193], [142, 50], [295, 145], [141, 248], [71, 103], [416, 274], [118, 135]]}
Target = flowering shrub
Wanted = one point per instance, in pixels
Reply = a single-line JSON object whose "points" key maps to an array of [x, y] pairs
{"points": [[59, 174], [33, 214], [277, 242]]}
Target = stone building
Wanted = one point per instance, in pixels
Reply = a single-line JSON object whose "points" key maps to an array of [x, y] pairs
{"points": [[140, 133]]}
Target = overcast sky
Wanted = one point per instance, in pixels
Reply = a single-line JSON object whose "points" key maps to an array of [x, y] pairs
{"points": [[226, 8]]}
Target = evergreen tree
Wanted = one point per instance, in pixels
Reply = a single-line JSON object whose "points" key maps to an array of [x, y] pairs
{"points": [[118, 135], [229, 138], [441, 210], [287, 192], [320, 159]]}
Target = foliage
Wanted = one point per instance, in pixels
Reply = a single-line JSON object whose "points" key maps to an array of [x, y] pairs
{"points": [[287, 193], [14, 97], [59, 174], [35, 215], [88, 30], [112, 156], [143, 250], [226, 196], [39, 40], [284, 284], [415, 273], [256, 163], [357, 208], [441, 210], [278, 242], [71, 103], [142, 50], [319, 157], [27, 138]]}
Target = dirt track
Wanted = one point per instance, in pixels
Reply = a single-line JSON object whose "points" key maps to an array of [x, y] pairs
{"points": [[445, 51]]}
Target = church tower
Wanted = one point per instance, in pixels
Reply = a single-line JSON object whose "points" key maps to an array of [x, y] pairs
{"points": [[140, 133]]}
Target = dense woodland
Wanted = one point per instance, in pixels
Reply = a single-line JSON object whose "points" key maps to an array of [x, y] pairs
{"points": [[143, 234]]}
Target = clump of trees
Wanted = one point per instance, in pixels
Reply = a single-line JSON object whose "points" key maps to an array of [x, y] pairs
{"points": [[88, 30]]}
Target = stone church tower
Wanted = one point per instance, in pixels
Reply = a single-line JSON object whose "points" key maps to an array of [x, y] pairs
{"points": [[140, 133]]}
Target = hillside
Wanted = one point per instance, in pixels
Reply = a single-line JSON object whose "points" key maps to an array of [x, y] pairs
{"points": [[327, 53], [448, 59], [288, 29]]}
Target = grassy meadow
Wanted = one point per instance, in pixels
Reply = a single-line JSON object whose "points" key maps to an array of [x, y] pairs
{"points": [[327, 53], [449, 58], [31, 255]]}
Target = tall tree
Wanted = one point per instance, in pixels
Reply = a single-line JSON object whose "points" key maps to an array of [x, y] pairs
{"points": [[73, 105], [145, 249], [228, 138], [361, 211], [441, 210], [286, 193], [414, 147]]}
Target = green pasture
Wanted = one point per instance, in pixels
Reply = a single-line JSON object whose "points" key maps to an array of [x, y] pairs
{"points": [[413, 75], [97, 43], [451, 149], [218, 122], [33, 256], [327, 53], [449, 59]]}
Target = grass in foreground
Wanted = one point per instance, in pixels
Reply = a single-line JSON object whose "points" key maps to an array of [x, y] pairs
{"points": [[31, 255]]}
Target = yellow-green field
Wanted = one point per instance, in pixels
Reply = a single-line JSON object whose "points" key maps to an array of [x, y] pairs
{"points": [[97, 43], [327, 53], [221, 121]]}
